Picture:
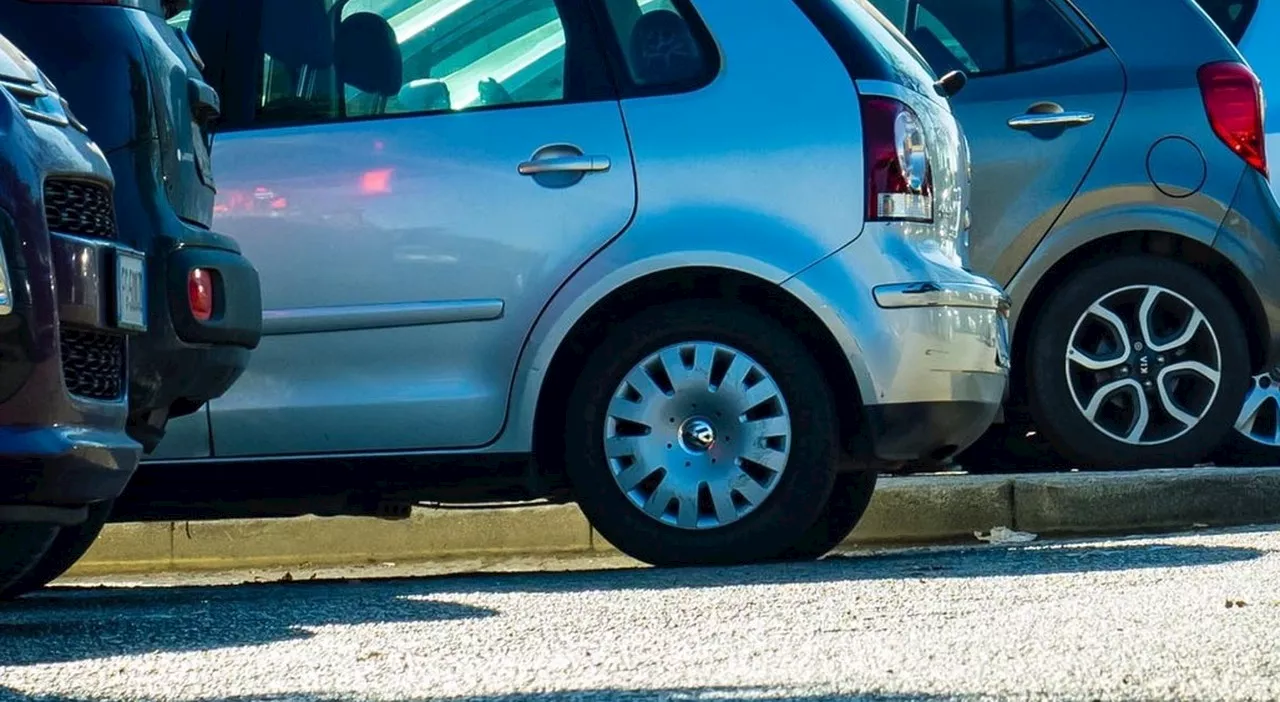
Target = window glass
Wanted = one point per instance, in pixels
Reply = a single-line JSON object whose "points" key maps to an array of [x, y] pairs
{"points": [[658, 43], [1231, 16], [965, 36], [341, 59], [1042, 35]]}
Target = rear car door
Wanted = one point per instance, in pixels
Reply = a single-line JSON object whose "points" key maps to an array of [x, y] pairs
{"points": [[1042, 94], [413, 179]]}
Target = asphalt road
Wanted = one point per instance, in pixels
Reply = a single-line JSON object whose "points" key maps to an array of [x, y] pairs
{"points": [[1154, 618]]}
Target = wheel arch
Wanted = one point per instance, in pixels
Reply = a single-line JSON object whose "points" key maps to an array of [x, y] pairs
{"points": [[1030, 295], [691, 282]]}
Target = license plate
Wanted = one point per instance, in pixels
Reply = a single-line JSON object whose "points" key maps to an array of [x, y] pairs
{"points": [[131, 291]]}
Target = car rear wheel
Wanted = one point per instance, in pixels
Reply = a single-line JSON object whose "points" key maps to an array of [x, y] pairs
{"points": [[1136, 362], [70, 544], [701, 432], [844, 509], [22, 546]]}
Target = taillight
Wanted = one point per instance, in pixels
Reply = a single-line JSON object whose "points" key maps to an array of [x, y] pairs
{"points": [[899, 178], [200, 292], [1233, 100]]}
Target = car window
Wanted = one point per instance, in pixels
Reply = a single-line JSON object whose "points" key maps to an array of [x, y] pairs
{"points": [[1231, 16], [344, 59], [1043, 35], [659, 46], [967, 36]]}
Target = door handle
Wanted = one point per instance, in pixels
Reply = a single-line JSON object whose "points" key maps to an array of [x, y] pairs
{"points": [[566, 164], [1032, 120]]}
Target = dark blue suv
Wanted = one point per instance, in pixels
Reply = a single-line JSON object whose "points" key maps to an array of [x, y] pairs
{"points": [[136, 83]]}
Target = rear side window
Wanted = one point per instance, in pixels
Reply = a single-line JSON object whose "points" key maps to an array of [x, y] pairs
{"points": [[1231, 16], [984, 37], [664, 48]]}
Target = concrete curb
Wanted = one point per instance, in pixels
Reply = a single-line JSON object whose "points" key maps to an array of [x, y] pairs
{"points": [[917, 509]]}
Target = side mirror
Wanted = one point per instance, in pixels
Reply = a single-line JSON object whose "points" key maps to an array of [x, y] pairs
{"points": [[950, 84]]}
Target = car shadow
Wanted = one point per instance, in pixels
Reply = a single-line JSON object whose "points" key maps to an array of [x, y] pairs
{"points": [[65, 624], [699, 694], [69, 624]]}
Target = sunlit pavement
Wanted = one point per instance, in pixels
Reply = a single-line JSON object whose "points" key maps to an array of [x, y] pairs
{"points": [[1185, 617]]}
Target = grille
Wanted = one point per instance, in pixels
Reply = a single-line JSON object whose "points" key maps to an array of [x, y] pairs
{"points": [[79, 207], [93, 364]]}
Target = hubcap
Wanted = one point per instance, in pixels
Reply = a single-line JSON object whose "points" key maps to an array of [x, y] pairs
{"points": [[1259, 418], [1143, 365], [697, 435]]}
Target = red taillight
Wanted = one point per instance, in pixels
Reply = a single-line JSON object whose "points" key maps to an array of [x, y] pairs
{"points": [[1233, 100], [899, 177], [200, 292]]}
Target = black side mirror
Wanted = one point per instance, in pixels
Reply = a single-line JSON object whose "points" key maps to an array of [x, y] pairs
{"points": [[950, 84]]}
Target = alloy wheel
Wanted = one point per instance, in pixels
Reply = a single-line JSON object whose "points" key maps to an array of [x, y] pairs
{"points": [[1143, 365], [697, 435], [1259, 419]]}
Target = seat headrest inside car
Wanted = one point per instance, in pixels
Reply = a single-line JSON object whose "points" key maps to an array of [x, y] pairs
{"points": [[368, 56], [663, 50]]}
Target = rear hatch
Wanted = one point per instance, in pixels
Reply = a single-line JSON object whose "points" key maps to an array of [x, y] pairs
{"points": [[184, 108]]}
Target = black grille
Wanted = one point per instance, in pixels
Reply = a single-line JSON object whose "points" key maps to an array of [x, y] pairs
{"points": [[93, 364], [79, 207]]}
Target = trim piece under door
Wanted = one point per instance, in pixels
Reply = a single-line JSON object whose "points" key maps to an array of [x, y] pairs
{"points": [[313, 320]]}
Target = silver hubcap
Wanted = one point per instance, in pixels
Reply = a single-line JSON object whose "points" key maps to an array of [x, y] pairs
{"points": [[697, 435], [1259, 418], [1143, 365]]}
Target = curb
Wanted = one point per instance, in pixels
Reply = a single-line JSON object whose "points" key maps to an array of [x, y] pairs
{"points": [[905, 510]]}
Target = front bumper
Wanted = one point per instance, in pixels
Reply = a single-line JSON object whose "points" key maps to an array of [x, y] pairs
{"points": [[931, 358], [62, 467]]}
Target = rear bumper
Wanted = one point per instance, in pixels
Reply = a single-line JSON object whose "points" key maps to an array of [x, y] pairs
{"points": [[185, 362], [930, 355]]}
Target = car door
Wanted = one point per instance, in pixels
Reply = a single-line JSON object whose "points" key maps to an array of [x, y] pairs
{"points": [[414, 179], [1042, 94]]}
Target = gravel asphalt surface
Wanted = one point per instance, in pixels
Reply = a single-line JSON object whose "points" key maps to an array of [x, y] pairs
{"points": [[1179, 617]]}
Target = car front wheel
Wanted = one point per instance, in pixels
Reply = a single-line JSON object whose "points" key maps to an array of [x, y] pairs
{"points": [[1136, 362], [22, 546], [701, 432], [68, 546]]}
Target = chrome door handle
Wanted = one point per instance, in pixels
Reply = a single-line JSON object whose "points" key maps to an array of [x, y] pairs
{"points": [[566, 164], [1031, 120]]}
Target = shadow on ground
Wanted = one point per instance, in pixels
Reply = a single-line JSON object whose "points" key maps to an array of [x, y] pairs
{"points": [[64, 625], [734, 694], [69, 624]]}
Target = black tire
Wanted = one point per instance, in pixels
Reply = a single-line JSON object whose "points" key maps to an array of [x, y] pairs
{"points": [[844, 509], [22, 546], [1006, 448], [802, 488], [68, 546], [1054, 409]]}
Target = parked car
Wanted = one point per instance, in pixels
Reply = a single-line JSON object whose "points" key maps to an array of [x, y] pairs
{"points": [[1246, 23], [138, 87], [70, 298], [1121, 195], [482, 283]]}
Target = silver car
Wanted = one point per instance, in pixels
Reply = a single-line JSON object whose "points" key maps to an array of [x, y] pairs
{"points": [[1121, 194], [514, 249]]}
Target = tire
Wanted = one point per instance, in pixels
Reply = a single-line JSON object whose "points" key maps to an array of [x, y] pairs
{"points": [[844, 509], [22, 546], [1116, 369], [68, 546], [734, 511], [1006, 448]]}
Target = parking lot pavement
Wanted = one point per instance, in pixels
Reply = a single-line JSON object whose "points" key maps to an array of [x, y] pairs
{"points": [[1190, 617]]}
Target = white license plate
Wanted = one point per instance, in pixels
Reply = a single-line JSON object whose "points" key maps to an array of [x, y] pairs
{"points": [[131, 291]]}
